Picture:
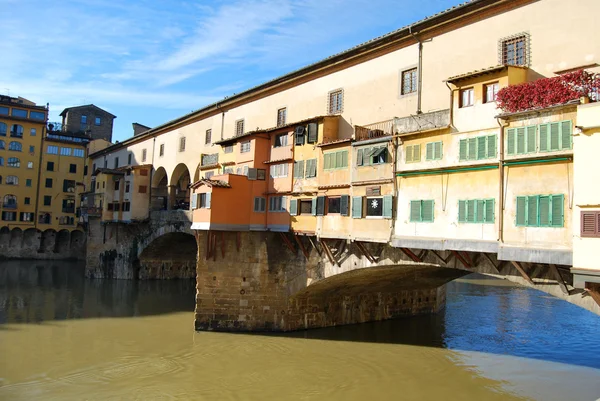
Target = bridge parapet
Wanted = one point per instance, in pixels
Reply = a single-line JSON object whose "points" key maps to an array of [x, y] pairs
{"points": [[168, 216]]}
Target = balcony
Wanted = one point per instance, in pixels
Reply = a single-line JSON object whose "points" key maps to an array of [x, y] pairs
{"points": [[209, 160], [423, 122], [373, 131], [10, 206]]}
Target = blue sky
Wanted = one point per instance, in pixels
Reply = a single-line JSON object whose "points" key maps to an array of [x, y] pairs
{"points": [[150, 61]]}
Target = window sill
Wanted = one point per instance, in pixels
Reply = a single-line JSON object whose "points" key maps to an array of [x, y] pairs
{"points": [[375, 217]]}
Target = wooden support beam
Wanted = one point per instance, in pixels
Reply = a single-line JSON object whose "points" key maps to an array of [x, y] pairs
{"points": [[468, 258], [485, 255], [444, 261], [319, 251], [238, 240], [287, 242], [223, 244], [301, 245], [340, 249], [423, 254], [329, 253], [521, 270], [365, 251], [594, 292], [411, 255], [460, 257], [559, 279]]}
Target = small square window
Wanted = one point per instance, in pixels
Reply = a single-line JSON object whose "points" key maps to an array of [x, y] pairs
{"points": [[83, 119], [375, 207], [143, 189], [306, 206], [182, 144], [50, 166], [514, 50], [409, 81], [333, 205], [31, 149], [245, 147], [47, 200], [48, 182], [466, 97], [28, 182], [281, 140], [336, 101], [73, 168], [29, 165], [491, 91], [281, 116], [33, 132], [28, 200]]}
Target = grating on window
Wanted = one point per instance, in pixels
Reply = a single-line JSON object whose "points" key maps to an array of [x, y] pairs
{"points": [[409, 81]]}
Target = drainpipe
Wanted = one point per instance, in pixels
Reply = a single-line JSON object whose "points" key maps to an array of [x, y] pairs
{"points": [[419, 69], [395, 145], [501, 183]]}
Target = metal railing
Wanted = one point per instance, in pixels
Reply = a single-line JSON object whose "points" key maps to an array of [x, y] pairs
{"points": [[375, 130]]}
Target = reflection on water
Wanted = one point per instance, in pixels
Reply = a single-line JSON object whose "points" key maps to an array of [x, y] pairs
{"points": [[493, 341]]}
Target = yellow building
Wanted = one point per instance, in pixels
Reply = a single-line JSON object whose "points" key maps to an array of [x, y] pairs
{"points": [[22, 126]]}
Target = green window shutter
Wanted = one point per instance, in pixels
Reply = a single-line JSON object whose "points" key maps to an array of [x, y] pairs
{"points": [[339, 160], [565, 134], [462, 150], [437, 151], [301, 169], [554, 136], [511, 138], [533, 214], [314, 168], [409, 154], [344, 205], [480, 211], [208, 199], [472, 149], [416, 153], [492, 140], [327, 161], [320, 205], [481, 150], [427, 211], [462, 213], [558, 210], [357, 202], [429, 151], [314, 207], [471, 211], [521, 218], [307, 167], [531, 139], [359, 157], [344, 159], [520, 141], [293, 207], [490, 210], [544, 139], [388, 206], [415, 211], [544, 205]]}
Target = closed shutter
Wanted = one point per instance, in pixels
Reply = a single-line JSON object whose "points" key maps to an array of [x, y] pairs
{"points": [[481, 150], [520, 141], [531, 139], [472, 148], [565, 134], [344, 159], [194, 202], [544, 205], [320, 205], [271, 204], [293, 207], [313, 130], [521, 212], [437, 150], [429, 151], [533, 211], [427, 211], [299, 131], [299, 169], [314, 207], [589, 224], [554, 136], [471, 211], [490, 210], [359, 157], [339, 160], [357, 202], [544, 137], [416, 153], [388, 206], [409, 154], [246, 171], [462, 213], [208, 199], [558, 208], [252, 173], [344, 205], [313, 170], [415, 211], [462, 150], [327, 161], [283, 204], [480, 211], [492, 140], [511, 138]]}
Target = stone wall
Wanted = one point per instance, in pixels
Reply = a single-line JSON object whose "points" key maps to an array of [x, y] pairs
{"points": [[44, 245]]}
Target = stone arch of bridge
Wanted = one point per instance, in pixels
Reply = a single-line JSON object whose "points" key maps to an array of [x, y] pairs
{"points": [[172, 254], [160, 191]]}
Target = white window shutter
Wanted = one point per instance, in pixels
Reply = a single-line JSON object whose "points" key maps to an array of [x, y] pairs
{"points": [[208, 198], [194, 202]]}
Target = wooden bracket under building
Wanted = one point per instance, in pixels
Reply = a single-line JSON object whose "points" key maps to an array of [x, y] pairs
{"points": [[559, 279], [593, 290], [496, 267], [329, 253], [443, 260], [301, 246], [464, 259], [287, 242], [317, 248], [521, 270], [361, 247], [411, 255]]}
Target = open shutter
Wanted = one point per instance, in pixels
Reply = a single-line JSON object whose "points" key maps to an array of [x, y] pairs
{"points": [[544, 137], [208, 199], [480, 211], [415, 211], [283, 203], [520, 141], [437, 150], [533, 211], [511, 140], [357, 202], [492, 140], [429, 151], [388, 206], [313, 171], [359, 157], [409, 154], [299, 132], [462, 149], [252, 173], [472, 148], [544, 206], [521, 212], [589, 224], [344, 205], [490, 210], [462, 213], [531, 140], [320, 205], [565, 134], [293, 207], [314, 207], [312, 132], [194, 201], [558, 209], [416, 153], [554, 136], [427, 211], [481, 150]]}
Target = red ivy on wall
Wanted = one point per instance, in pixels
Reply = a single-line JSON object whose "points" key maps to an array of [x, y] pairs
{"points": [[547, 92]]}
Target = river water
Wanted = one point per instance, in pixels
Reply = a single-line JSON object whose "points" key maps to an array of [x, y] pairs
{"points": [[63, 337]]}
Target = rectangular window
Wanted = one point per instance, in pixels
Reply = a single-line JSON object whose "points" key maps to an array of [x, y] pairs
{"points": [[68, 186], [29, 165], [126, 206], [540, 211], [9, 216], [78, 152], [31, 149], [260, 204], [28, 200], [277, 204], [68, 206], [514, 50], [32, 131], [97, 121], [335, 160], [261, 174], [3, 111], [65, 151], [590, 224], [245, 147], [28, 182], [37, 115], [127, 187], [19, 113], [478, 148], [281, 140], [117, 183], [371, 156], [204, 200], [333, 205], [421, 211], [279, 170], [182, 144], [466, 97], [26, 216], [335, 101], [491, 90], [161, 150], [281, 116], [85, 170], [433, 151], [50, 166], [52, 150], [144, 155], [413, 153], [299, 169], [129, 157], [228, 149], [239, 127], [299, 134], [555, 136], [116, 161], [47, 200], [306, 206], [476, 211], [143, 189], [311, 168], [73, 168], [409, 81], [48, 182], [116, 206], [83, 119], [521, 140], [208, 137]]}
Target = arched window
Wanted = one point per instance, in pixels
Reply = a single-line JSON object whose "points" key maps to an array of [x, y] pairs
{"points": [[16, 130], [2, 145], [2, 129], [10, 202], [13, 162], [12, 180], [16, 146]]}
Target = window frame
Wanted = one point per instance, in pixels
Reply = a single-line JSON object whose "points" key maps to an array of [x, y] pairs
{"points": [[208, 136], [328, 155], [475, 140], [239, 127], [335, 101], [280, 144], [421, 218], [244, 148], [414, 81], [486, 98], [475, 204], [471, 97], [503, 58], [261, 202], [335, 199], [432, 146], [281, 116], [538, 218]]}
